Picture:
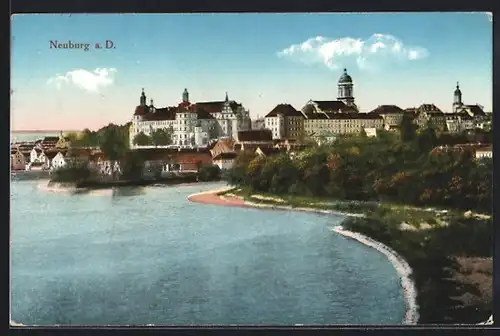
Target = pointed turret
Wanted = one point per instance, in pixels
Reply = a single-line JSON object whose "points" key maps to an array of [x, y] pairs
{"points": [[185, 96], [457, 98], [227, 98], [143, 98]]}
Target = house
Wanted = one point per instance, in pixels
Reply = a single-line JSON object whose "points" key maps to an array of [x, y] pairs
{"points": [[58, 161], [285, 122], [223, 146], [50, 155], [371, 132], [290, 145], [250, 140], [225, 160], [391, 114], [429, 115], [17, 159], [158, 157], [78, 154], [484, 152], [50, 142], [192, 160], [35, 154]]}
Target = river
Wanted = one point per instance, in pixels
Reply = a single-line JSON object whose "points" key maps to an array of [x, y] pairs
{"points": [[149, 256]]}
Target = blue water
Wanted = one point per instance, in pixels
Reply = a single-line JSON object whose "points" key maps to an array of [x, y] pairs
{"points": [[149, 256], [30, 136]]}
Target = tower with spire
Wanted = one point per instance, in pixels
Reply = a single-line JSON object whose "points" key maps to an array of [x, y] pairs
{"points": [[457, 99], [346, 89], [143, 99]]}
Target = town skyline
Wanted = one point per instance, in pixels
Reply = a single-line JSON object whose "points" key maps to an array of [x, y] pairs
{"points": [[261, 60]]}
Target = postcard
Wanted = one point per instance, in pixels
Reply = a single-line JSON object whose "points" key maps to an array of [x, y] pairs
{"points": [[251, 169]]}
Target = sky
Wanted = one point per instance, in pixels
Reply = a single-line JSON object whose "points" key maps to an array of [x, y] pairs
{"points": [[261, 60]]}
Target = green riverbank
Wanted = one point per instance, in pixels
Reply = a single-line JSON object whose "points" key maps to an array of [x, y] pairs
{"points": [[449, 250]]}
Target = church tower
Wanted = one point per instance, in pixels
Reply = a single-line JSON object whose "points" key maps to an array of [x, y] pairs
{"points": [[185, 96], [143, 98], [457, 99], [345, 89]]}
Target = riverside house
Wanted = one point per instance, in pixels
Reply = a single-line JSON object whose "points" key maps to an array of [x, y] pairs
{"points": [[224, 160], [175, 160], [58, 161], [485, 151], [250, 140], [17, 159]]}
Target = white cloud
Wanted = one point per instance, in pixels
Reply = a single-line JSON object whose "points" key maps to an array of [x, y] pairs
{"points": [[91, 81], [370, 53]]}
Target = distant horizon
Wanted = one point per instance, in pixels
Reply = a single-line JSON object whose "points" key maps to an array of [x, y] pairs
{"points": [[44, 131]]}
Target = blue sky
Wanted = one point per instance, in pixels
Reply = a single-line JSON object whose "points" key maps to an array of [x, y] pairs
{"points": [[261, 60]]}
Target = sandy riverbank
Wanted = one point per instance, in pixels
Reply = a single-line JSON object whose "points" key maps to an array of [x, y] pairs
{"points": [[402, 267]]}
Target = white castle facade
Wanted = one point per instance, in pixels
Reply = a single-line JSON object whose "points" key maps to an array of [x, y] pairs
{"points": [[192, 125]]}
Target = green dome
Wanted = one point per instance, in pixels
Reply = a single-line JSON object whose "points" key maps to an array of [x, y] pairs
{"points": [[345, 78]]}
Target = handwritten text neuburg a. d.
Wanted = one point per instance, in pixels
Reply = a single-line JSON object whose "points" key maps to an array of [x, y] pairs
{"points": [[69, 45]]}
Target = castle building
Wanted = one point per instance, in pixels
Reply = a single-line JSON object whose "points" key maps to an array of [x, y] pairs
{"points": [[322, 117], [192, 125]]}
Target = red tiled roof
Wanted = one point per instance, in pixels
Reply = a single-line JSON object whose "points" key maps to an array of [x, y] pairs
{"points": [[153, 154], [166, 113], [195, 157], [333, 106], [286, 110], [476, 110], [51, 154], [216, 106], [312, 115], [352, 116], [387, 109], [255, 135], [428, 108], [141, 110], [225, 156]]}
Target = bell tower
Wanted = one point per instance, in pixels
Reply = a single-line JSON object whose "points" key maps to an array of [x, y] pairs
{"points": [[457, 99], [346, 89]]}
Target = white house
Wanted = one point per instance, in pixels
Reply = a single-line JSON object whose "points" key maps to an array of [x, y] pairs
{"points": [[225, 160], [17, 160], [34, 154], [371, 132], [58, 161], [484, 152]]}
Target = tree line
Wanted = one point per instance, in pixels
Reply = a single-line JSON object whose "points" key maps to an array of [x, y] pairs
{"points": [[397, 167], [158, 137]]}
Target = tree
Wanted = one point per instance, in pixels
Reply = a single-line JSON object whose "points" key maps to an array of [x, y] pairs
{"points": [[72, 137], [142, 139], [113, 141], [162, 136], [88, 138], [132, 165], [407, 129], [209, 172]]}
